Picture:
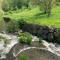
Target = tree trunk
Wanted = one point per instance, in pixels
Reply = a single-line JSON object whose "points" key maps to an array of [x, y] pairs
{"points": [[49, 9]]}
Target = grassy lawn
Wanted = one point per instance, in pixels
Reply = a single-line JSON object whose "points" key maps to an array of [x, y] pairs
{"points": [[34, 16]]}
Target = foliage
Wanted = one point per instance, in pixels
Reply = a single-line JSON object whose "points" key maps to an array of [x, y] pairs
{"points": [[12, 26], [1, 21], [34, 16], [46, 6], [23, 57], [13, 4], [21, 23], [5, 5], [2, 26], [25, 38]]}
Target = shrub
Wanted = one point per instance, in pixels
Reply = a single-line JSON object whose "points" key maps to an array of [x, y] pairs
{"points": [[25, 38], [21, 23], [12, 26]]}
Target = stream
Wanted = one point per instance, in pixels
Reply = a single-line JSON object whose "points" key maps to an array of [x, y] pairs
{"points": [[54, 48], [6, 49]]}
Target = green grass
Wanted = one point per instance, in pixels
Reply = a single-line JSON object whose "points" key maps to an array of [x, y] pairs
{"points": [[34, 16], [2, 25]]}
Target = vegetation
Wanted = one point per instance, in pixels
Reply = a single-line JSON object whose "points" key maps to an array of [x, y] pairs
{"points": [[34, 12], [34, 16], [1, 20], [23, 57], [25, 38], [46, 6], [38, 17], [21, 23], [12, 27], [41, 12]]}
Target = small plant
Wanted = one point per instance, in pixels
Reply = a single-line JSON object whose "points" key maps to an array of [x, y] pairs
{"points": [[23, 57], [25, 38]]}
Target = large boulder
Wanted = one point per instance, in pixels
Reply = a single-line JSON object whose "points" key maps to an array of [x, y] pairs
{"points": [[49, 34]]}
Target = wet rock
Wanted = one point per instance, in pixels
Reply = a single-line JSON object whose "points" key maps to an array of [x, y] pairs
{"points": [[57, 35], [49, 34]]}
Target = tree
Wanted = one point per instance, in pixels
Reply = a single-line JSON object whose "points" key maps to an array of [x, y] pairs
{"points": [[13, 4], [18, 4], [5, 5], [46, 6]]}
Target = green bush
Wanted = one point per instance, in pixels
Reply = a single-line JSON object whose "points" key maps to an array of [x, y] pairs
{"points": [[21, 23], [25, 38], [12, 26]]}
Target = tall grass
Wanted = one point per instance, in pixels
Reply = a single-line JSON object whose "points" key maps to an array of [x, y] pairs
{"points": [[34, 16]]}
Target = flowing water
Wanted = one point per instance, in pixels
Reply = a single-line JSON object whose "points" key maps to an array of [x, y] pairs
{"points": [[5, 49], [54, 48]]}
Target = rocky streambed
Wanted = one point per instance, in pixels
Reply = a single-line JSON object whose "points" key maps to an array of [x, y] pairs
{"points": [[13, 49], [6, 43]]}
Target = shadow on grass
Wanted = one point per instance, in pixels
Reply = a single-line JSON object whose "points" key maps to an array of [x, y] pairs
{"points": [[40, 15]]}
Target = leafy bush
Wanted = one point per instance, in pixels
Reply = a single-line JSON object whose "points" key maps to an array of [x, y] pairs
{"points": [[23, 57], [21, 23], [25, 38], [12, 26]]}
